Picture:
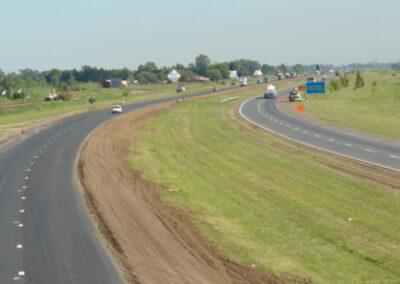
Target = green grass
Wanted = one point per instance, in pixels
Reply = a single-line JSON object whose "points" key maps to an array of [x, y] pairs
{"points": [[284, 212], [373, 109]]}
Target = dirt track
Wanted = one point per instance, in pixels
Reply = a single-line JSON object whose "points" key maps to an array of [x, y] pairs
{"points": [[151, 242]]}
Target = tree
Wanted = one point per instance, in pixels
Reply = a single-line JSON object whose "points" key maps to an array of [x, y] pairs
{"points": [[268, 69], [245, 67], [180, 66], [223, 68], [359, 80], [151, 67], [11, 82], [283, 68], [186, 75], [146, 77], [2, 74], [298, 68], [202, 63], [214, 74]]}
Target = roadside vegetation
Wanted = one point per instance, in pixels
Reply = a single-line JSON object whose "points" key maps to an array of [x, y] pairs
{"points": [[371, 103], [269, 203], [12, 118]]}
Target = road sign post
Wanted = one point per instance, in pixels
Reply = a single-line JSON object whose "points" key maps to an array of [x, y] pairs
{"points": [[315, 87]]}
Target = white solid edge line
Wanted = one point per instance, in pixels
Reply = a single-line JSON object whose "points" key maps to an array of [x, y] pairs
{"points": [[310, 145]]}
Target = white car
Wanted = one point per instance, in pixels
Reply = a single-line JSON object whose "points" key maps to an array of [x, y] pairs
{"points": [[294, 96], [117, 109]]}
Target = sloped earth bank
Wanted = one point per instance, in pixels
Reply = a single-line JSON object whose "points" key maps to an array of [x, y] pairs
{"points": [[151, 242]]}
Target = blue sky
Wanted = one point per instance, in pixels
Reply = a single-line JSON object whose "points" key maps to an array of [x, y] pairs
{"points": [[46, 34]]}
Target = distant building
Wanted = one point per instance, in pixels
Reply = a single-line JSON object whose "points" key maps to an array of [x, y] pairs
{"points": [[233, 74], [258, 73]]}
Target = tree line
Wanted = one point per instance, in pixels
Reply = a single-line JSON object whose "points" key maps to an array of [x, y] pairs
{"points": [[146, 73]]}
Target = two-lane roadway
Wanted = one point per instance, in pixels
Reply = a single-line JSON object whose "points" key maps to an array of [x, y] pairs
{"points": [[266, 114]]}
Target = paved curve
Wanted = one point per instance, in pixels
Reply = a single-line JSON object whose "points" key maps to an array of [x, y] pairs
{"points": [[47, 235], [265, 113]]}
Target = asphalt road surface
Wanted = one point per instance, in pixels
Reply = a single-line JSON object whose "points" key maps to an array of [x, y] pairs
{"points": [[47, 234], [265, 113]]}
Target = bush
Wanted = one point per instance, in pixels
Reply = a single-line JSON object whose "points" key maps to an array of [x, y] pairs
{"points": [[64, 96], [334, 85], [344, 81], [18, 95], [359, 80]]}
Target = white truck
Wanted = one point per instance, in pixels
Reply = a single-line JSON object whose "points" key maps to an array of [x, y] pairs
{"points": [[270, 92], [243, 81]]}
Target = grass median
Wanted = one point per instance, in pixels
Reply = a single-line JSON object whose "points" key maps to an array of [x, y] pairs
{"points": [[268, 202]]}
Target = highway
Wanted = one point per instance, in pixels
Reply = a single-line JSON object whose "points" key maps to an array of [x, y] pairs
{"points": [[47, 234], [266, 114]]}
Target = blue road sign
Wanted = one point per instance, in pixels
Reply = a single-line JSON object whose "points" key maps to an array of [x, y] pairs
{"points": [[315, 87]]}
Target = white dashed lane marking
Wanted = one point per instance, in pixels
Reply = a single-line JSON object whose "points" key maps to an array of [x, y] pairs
{"points": [[369, 150], [394, 157], [332, 140], [19, 246], [22, 211], [348, 145]]}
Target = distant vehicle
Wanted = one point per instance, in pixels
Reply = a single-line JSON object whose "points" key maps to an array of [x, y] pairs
{"points": [[279, 76], [117, 109], [311, 79], [180, 89], [50, 97], [215, 89], [243, 81], [270, 92], [294, 96], [324, 78]]}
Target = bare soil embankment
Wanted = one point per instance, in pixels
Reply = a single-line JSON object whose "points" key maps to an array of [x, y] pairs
{"points": [[151, 241]]}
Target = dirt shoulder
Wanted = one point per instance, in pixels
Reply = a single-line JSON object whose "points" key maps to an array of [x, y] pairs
{"points": [[151, 241]]}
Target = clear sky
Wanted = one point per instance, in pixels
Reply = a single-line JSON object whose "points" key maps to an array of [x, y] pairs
{"points": [[45, 34]]}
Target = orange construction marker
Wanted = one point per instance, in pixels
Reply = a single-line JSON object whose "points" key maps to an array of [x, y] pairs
{"points": [[22, 129], [300, 108]]}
